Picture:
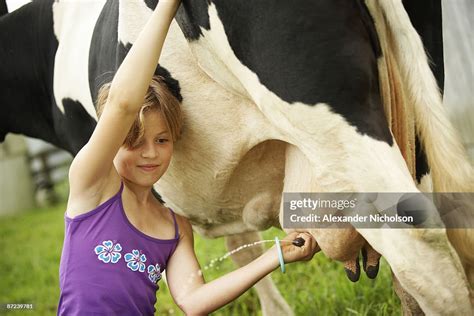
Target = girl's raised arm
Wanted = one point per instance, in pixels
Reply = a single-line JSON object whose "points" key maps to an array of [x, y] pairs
{"points": [[93, 164]]}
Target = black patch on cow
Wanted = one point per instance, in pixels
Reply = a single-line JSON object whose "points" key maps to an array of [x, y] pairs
{"points": [[313, 52], [3, 7], [151, 4], [103, 49], [191, 16], [107, 53], [3, 133], [426, 17], [77, 122], [171, 83], [27, 51], [421, 164], [368, 21]]}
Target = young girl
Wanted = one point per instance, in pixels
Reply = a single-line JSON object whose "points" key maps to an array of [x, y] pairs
{"points": [[118, 237]]}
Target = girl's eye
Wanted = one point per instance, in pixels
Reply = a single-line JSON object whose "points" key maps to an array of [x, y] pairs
{"points": [[161, 140]]}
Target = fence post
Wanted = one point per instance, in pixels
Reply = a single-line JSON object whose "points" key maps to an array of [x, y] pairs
{"points": [[16, 184]]}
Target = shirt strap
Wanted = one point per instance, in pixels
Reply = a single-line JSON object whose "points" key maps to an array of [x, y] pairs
{"points": [[176, 228]]}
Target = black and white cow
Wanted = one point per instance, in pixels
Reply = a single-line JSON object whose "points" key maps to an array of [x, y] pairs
{"points": [[278, 97]]}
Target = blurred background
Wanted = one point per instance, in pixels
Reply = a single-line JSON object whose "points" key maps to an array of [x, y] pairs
{"points": [[33, 192]]}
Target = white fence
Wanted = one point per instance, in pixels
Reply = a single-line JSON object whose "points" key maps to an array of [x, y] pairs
{"points": [[49, 166], [16, 183]]}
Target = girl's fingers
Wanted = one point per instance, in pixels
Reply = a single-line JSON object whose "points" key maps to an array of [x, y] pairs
{"points": [[305, 252], [310, 247]]}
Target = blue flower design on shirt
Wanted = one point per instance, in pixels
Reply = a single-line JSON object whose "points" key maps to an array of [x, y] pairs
{"points": [[154, 273], [108, 251], [136, 261]]}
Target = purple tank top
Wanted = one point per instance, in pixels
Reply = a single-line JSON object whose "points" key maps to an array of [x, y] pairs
{"points": [[108, 266]]}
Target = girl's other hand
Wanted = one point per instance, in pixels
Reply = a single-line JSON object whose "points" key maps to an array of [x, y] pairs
{"points": [[292, 253]]}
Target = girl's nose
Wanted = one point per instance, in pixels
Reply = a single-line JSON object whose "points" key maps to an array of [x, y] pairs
{"points": [[149, 151]]}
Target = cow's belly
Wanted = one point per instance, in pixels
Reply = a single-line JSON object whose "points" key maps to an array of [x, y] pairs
{"points": [[240, 197]]}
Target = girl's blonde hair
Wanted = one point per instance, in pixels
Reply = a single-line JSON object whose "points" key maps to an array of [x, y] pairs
{"points": [[158, 98]]}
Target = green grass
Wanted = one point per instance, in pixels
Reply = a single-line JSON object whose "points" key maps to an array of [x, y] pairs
{"points": [[30, 249]]}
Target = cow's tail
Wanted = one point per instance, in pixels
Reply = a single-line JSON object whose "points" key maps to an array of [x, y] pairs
{"points": [[450, 168], [3, 8]]}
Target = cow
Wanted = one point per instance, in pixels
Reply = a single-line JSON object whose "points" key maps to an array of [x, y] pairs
{"points": [[277, 98]]}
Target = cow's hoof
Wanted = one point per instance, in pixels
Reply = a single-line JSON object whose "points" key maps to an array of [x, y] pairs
{"points": [[372, 271], [352, 269]]}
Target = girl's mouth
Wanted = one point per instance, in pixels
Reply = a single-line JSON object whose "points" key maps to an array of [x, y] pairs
{"points": [[148, 168]]}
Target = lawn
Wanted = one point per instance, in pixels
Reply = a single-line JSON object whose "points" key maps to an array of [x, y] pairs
{"points": [[30, 248]]}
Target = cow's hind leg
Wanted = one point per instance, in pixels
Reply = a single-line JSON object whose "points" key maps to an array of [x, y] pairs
{"points": [[409, 305], [273, 304], [340, 244], [422, 259], [426, 266]]}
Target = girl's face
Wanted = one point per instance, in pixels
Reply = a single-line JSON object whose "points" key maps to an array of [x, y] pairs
{"points": [[145, 163]]}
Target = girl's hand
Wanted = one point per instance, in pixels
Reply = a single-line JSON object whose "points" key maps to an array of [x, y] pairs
{"points": [[292, 253]]}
